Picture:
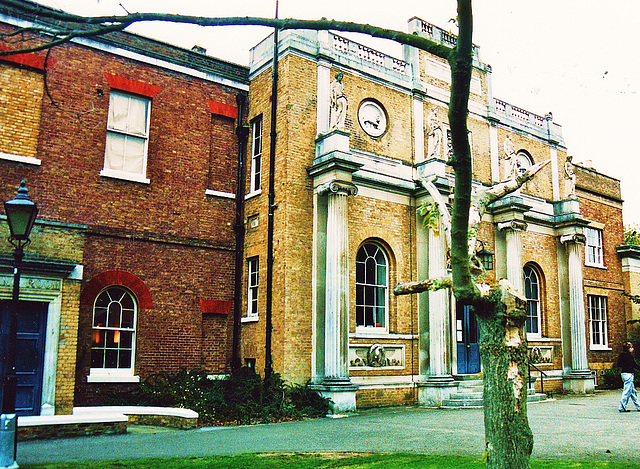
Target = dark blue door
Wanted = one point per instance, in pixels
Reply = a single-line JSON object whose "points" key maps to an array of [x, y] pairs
{"points": [[467, 341], [30, 343]]}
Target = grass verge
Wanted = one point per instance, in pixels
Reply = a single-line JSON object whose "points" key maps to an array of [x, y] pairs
{"points": [[322, 460]]}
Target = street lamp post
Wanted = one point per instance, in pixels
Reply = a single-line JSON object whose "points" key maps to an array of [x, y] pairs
{"points": [[21, 214]]}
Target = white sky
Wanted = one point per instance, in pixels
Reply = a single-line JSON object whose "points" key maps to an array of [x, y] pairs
{"points": [[575, 58]]}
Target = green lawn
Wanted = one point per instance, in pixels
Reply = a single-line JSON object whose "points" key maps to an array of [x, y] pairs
{"points": [[321, 460]]}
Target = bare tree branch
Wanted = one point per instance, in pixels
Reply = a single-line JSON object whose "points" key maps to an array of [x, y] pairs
{"points": [[76, 26]]}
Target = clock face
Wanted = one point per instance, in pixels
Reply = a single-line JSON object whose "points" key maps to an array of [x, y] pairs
{"points": [[522, 163], [372, 118]]}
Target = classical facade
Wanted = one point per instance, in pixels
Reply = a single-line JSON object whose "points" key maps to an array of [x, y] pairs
{"points": [[362, 143], [129, 148]]}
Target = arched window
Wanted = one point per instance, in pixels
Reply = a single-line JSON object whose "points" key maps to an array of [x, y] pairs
{"points": [[532, 293], [372, 280], [114, 329]]}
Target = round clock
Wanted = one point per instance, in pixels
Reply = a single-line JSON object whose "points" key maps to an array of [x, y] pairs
{"points": [[372, 118]]}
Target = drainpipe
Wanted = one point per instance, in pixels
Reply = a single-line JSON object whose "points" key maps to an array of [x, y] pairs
{"points": [[268, 360], [242, 134]]}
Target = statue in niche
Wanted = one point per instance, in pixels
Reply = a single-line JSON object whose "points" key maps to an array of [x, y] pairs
{"points": [[510, 157], [569, 178], [434, 127], [338, 105]]}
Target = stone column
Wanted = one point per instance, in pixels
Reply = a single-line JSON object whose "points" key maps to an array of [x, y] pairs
{"points": [[336, 384], [337, 282], [439, 384], [438, 312], [579, 362], [513, 239]]}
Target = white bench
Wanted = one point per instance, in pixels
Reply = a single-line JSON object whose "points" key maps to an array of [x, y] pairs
{"points": [[148, 415], [57, 426]]}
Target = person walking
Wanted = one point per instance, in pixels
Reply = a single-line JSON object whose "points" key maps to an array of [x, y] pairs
{"points": [[627, 365]]}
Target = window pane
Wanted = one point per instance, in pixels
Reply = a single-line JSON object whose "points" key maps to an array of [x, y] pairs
{"points": [[127, 319], [114, 152], [137, 124], [97, 358], [380, 317], [134, 155], [125, 359], [100, 316], [126, 339], [111, 358], [118, 110]]}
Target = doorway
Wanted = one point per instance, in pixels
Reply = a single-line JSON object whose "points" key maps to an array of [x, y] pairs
{"points": [[30, 346], [467, 341]]}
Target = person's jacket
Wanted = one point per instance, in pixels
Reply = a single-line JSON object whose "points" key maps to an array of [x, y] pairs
{"points": [[627, 363]]}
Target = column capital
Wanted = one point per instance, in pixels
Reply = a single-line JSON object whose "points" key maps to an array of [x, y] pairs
{"points": [[515, 225], [335, 187], [577, 238]]}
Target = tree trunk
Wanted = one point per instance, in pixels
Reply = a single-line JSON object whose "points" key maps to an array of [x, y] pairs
{"points": [[503, 352]]}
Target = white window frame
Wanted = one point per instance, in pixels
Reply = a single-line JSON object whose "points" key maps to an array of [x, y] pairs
{"points": [[533, 301], [123, 374], [253, 289], [593, 248], [255, 184], [127, 131], [597, 306], [383, 286]]}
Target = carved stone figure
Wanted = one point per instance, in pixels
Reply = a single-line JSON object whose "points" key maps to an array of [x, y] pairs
{"points": [[510, 157], [338, 109], [569, 178], [434, 142], [376, 356]]}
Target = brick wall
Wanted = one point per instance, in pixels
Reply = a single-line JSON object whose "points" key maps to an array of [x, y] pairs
{"points": [[22, 91]]}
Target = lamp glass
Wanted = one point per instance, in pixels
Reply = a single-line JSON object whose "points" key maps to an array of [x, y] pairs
{"points": [[21, 214]]}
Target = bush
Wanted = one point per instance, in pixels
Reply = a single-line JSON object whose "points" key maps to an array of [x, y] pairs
{"points": [[611, 379], [243, 397]]}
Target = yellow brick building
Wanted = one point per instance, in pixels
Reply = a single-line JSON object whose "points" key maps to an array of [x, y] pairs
{"points": [[359, 138]]}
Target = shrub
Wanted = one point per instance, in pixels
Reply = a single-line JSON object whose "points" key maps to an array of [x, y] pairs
{"points": [[611, 378], [243, 397]]}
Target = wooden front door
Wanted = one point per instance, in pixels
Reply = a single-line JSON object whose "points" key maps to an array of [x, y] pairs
{"points": [[467, 341], [30, 345]]}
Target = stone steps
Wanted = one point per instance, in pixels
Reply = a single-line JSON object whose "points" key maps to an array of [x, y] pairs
{"points": [[470, 395]]}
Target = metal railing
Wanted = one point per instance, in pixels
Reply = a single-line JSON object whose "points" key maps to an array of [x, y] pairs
{"points": [[542, 376]]}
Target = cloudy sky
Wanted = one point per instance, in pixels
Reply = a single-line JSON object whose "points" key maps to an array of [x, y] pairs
{"points": [[574, 58]]}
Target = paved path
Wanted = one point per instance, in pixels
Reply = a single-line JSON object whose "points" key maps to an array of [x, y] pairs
{"points": [[581, 428]]}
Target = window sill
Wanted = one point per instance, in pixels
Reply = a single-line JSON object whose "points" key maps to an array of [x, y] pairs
{"points": [[250, 319], [20, 159], [124, 176], [596, 266], [371, 331], [253, 194], [224, 195], [600, 348], [101, 376]]}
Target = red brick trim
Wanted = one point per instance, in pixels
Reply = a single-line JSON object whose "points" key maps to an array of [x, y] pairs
{"points": [[132, 86], [28, 60], [221, 109], [215, 306], [116, 277]]}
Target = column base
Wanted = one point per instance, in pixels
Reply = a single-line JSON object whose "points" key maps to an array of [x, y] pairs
{"points": [[341, 392], [435, 390], [579, 382]]}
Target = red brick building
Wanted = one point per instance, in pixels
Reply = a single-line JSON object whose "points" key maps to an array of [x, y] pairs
{"points": [[129, 148]]}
